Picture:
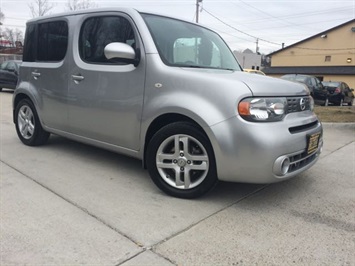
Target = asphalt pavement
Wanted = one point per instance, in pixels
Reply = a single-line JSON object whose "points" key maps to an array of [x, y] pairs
{"points": [[67, 203]]}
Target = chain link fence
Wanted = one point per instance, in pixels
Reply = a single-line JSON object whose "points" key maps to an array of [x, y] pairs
{"points": [[5, 57]]}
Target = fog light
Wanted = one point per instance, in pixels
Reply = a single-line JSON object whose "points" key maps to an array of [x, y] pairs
{"points": [[320, 147], [285, 165], [281, 166]]}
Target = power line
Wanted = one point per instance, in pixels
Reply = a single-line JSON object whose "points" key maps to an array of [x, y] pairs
{"points": [[304, 14], [324, 49], [260, 39], [269, 15]]}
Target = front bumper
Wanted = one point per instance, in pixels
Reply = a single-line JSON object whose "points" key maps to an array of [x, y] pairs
{"points": [[255, 152]]}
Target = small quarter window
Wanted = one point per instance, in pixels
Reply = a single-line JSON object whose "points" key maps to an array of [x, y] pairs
{"points": [[328, 58]]}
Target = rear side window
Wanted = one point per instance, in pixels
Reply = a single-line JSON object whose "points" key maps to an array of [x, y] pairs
{"points": [[52, 41], [46, 42], [97, 32]]}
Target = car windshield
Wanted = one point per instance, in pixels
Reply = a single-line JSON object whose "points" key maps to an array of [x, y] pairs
{"points": [[184, 44], [298, 78], [331, 84]]}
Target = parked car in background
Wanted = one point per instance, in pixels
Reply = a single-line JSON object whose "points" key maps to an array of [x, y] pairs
{"points": [[339, 92], [254, 71], [9, 71], [316, 88]]}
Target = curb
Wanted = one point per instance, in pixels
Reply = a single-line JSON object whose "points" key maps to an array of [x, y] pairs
{"points": [[339, 125]]}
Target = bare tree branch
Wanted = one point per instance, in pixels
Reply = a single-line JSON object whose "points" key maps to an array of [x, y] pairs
{"points": [[80, 4], [9, 35], [40, 7], [18, 35], [2, 16]]}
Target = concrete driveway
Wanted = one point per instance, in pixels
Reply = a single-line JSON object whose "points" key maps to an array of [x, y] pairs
{"points": [[68, 203]]}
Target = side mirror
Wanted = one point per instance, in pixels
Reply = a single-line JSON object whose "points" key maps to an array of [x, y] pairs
{"points": [[121, 51]]}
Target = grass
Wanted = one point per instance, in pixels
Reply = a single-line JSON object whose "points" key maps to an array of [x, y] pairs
{"points": [[336, 114]]}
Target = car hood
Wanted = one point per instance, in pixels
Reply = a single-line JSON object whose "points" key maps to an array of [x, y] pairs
{"points": [[257, 84], [268, 86]]}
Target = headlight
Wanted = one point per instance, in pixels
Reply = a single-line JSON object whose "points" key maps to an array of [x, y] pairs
{"points": [[263, 109], [311, 103]]}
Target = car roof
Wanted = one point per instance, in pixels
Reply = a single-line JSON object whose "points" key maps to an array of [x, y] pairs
{"points": [[332, 82], [16, 61], [293, 75]]}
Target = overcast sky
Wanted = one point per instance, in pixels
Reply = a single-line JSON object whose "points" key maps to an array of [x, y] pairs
{"points": [[240, 22]]}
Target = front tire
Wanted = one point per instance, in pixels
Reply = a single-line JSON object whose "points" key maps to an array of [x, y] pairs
{"points": [[351, 102], [181, 161], [28, 126]]}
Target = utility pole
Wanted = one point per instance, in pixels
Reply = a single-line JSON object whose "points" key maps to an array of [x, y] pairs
{"points": [[257, 45], [197, 9]]}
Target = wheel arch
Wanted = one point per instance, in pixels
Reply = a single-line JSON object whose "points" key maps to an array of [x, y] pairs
{"points": [[166, 119], [17, 98]]}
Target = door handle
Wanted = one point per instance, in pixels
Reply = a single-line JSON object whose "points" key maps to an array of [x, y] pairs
{"points": [[36, 75], [77, 78]]}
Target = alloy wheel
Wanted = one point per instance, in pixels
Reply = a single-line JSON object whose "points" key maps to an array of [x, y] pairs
{"points": [[26, 122], [182, 161]]}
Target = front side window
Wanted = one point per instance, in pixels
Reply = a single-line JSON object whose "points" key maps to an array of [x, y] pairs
{"points": [[52, 41], [313, 82], [97, 32], [184, 44]]}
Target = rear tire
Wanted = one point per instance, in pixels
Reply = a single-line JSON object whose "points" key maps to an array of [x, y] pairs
{"points": [[28, 126], [181, 161]]}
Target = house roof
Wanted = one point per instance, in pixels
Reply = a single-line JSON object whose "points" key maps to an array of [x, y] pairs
{"points": [[316, 35], [311, 70]]}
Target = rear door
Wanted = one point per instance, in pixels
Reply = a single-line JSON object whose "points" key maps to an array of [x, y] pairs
{"points": [[347, 93], [106, 96], [44, 63], [320, 93]]}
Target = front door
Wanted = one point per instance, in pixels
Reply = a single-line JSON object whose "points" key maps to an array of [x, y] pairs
{"points": [[105, 96]]}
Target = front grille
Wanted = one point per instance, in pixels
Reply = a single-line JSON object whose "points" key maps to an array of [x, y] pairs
{"points": [[294, 104], [300, 160], [306, 127]]}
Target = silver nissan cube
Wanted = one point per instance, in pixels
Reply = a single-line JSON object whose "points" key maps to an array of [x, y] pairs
{"points": [[165, 91]]}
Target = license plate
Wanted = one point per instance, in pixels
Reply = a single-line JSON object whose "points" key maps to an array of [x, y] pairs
{"points": [[312, 142]]}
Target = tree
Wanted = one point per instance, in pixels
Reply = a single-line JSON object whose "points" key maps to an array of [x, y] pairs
{"points": [[9, 35], [18, 36], [40, 7], [2, 17], [13, 36], [80, 4]]}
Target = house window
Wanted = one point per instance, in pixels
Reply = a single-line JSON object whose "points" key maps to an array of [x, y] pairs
{"points": [[327, 58]]}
